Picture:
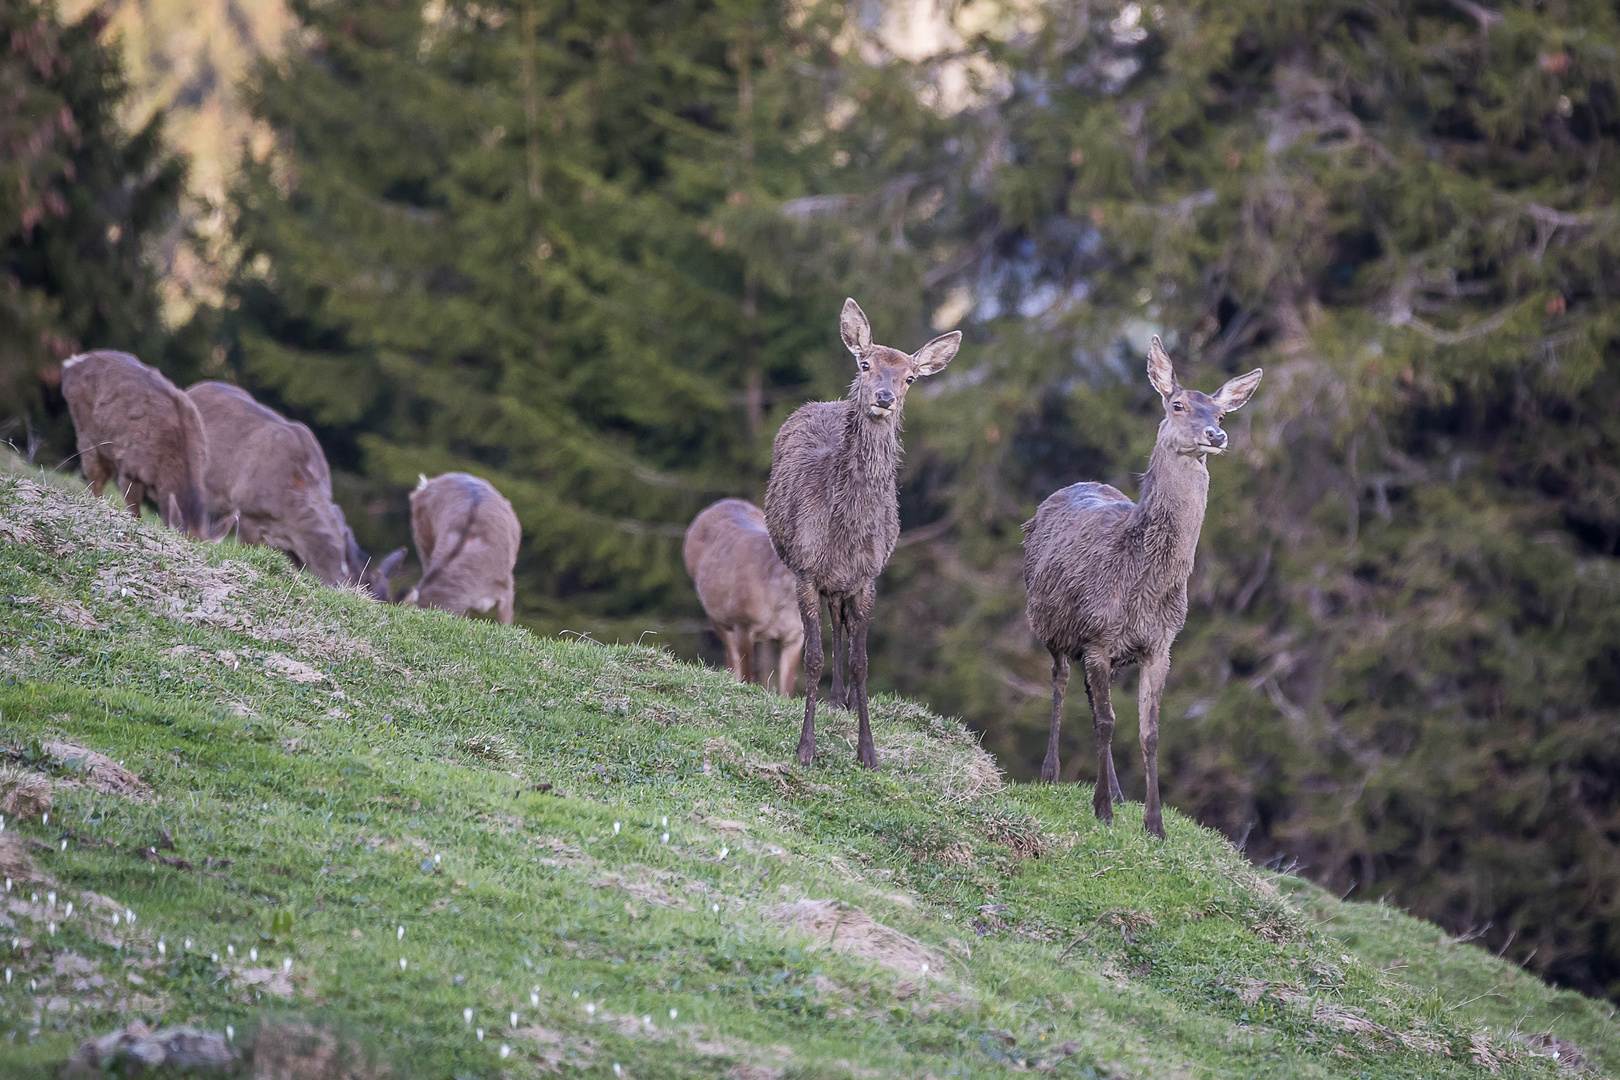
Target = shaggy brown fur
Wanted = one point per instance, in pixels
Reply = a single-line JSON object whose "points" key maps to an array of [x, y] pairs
{"points": [[467, 537], [834, 513], [1107, 578], [271, 473], [747, 591], [137, 430]]}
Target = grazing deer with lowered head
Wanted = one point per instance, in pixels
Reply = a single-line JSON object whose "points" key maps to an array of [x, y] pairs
{"points": [[467, 537], [746, 590], [834, 513], [1107, 578], [270, 472], [137, 429]]}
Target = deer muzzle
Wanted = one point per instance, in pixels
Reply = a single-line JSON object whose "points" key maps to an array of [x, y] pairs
{"points": [[882, 404]]}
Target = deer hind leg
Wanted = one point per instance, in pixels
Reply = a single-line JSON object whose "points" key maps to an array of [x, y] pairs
{"points": [[506, 607], [810, 613], [1154, 673], [728, 638], [787, 664], [745, 654], [1099, 672], [858, 609], [1060, 686], [838, 615]]}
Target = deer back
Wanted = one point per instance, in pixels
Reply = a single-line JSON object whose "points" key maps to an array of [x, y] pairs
{"points": [[740, 580], [467, 536], [135, 425], [272, 473]]}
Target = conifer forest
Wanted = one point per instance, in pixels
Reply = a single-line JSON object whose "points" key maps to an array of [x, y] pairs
{"points": [[594, 251]]}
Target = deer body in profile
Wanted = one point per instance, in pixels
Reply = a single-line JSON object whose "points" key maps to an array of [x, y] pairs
{"points": [[833, 510], [1107, 578], [270, 472], [138, 430], [748, 593], [467, 537]]}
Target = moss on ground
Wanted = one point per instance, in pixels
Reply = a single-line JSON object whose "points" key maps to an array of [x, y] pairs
{"points": [[440, 838]]}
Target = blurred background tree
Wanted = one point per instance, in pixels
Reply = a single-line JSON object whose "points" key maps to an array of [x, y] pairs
{"points": [[80, 200], [595, 253]]}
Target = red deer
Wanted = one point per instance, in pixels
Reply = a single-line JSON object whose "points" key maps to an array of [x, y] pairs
{"points": [[467, 537], [746, 590], [138, 430], [833, 510], [270, 472], [1107, 578]]}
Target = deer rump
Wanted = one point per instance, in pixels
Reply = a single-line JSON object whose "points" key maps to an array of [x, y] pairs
{"points": [[746, 590], [271, 472], [467, 536], [136, 429]]}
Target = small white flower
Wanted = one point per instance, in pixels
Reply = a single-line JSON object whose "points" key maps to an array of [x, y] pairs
{"points": [[436, 859], [33, 898], [253, 955], [188, 944], [115, 918], [163, 950], [666, 838], [665, 821], [616, 827], [673, 1013], [647, 1019], [8, 884], [230, 1032], [64, 845], [618, 1070], [925, 967], [214, 957], [513, 1017], [466, 1015], [52, 928], [534, 998], [401, 934], [68, 911], [8, 976], [506, 1051], [47, 818], [724, 851], [50, 899], [402, 963], [286, 964], [590, 1008], [715, 908], [480, 1033], [33, 985], [230, 950], [129, 916], [576, 995]]}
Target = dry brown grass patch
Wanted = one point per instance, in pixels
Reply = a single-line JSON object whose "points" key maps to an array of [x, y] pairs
{"points": [[24, 793], [843, 928]]}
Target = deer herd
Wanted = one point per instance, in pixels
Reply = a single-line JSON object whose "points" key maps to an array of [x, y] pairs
{"points": [[1106, 577]]}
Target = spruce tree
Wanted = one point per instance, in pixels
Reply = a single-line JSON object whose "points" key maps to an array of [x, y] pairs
{"points": [[80, 199]]}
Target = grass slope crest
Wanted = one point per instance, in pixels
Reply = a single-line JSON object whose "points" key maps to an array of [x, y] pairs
{"points": [[313, 835]]}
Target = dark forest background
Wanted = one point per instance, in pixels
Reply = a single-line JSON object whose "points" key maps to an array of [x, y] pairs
{"points": [[595, 251]]}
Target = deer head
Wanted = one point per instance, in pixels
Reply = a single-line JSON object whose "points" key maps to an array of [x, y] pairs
{"points": [[886, 374], [1192, 420]]}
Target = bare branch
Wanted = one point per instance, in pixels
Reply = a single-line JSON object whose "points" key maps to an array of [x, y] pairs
{"points": [[1457, 337], [1481, 14]]}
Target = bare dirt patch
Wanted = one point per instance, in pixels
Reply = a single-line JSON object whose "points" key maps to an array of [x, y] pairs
{"points": [[24, 793], [831, 924]]}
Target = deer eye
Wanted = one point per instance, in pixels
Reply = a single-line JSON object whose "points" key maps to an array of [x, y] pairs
{"points": [[1178, 406], [865, 366], [911, 378]]}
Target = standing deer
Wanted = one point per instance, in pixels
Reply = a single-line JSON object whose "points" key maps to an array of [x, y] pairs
{"points": [[747, 592], [467, 537], [1107, 578], [137, 429], [833, 511], [271, 473]]}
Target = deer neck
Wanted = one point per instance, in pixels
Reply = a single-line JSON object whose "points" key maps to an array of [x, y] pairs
{"points": [[1170, 515], [870, 460]]}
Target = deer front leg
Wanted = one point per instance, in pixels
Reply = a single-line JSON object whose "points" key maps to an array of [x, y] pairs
{"points": [[1060, 686], [810, 613], [838, 615], [728, 639], [134, 494], [1154, 673], [787, 664], [1099, 672], [859, 611]]}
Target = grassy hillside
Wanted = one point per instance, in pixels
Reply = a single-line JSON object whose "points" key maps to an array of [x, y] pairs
{"points": [[329, 815]]}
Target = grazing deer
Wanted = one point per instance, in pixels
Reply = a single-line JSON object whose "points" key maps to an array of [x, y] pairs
{"points": [[270, 472], [467, 537], [137, 429], [833, 511], [746, 590], [1107, 578]]}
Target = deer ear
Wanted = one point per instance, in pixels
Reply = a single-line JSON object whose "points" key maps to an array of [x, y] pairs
{"points": [[933, 356], [222, 528], [1160, 372], [1236, 392], [854, 329], [391, 564]]}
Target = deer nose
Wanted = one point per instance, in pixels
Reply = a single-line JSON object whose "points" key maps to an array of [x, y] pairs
{"points": [[1215, 436], [884, 399]]}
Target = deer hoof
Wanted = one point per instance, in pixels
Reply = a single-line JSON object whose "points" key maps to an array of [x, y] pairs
{"points": [[1049, 771], [867, 755], [1105, 811], [1154, 825], [807, 753]]}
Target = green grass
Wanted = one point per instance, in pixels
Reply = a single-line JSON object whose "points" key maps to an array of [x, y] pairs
{"points": [[329, 770]]}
